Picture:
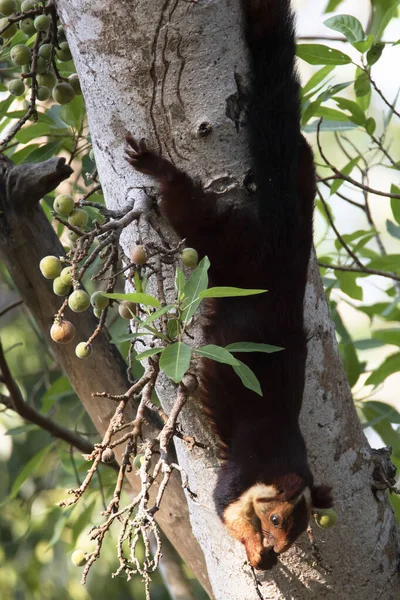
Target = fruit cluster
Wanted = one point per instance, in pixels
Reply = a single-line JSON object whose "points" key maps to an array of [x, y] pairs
{"points": [[40, 62]]}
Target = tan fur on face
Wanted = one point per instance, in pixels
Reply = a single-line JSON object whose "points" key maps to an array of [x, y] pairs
{"points": [[249, 520]]}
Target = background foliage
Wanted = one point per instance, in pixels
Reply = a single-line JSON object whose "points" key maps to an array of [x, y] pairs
{"points": [[38, 537]]}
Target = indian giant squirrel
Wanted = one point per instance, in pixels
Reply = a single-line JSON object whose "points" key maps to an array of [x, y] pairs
{"points": [[265, 490]]}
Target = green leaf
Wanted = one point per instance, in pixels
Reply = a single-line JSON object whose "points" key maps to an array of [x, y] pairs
{"points": [[390, 365], [382, 426], [73, 113], [348, 25], [365, 45], [327, 125], [375, 52], [247, 377], [382, 13], [385, 411], [346, 171], [179, 280], [362, 89], [331, 114], [395, 203], [137, 297], [332, 5], [32, 132], [392, 229], [44, 152], [5, 105], [388, 336], [22, 429], [216, 353], [58, 528], [228, 292], [348, 284], [357, 114], [317, 78], [173, 328], [367, 344], [196, 284], [175, 361], [82, 522], [157, 314], [60, 388], [318, 54], [29, 469], [390, 263], [350, 361], [21, 155], [253, 347], [148, 353], [370, 125], [120, 339]]}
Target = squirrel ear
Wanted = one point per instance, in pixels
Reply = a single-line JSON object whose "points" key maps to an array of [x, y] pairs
{"points": [[321, 496]]}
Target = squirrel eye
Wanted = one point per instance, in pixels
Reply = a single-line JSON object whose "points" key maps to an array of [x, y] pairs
{"points": [[274, 520]]}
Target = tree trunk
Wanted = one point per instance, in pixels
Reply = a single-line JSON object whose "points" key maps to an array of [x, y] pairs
{"points": [[168, 71]]}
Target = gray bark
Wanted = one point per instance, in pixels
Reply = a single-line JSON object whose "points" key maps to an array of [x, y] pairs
{"points": [[166, 71]]}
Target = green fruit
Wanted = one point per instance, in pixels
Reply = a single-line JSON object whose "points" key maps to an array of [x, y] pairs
{"points": [[20, 55], [107, 456], [97, 300], [66, 276], [45, 51], [127, 310], [59, 287], [63, 93], [50, 266], [79, 301], [61, 33], [190, 257], [16, 87], [139, 256], [78, 558], [48, 79], [42, 65], [8, 33], [63, 204], [63, 53], [325, 518], [7, 7], [43, 93], [83, 350], [97, 312], [42, 23], [78, 217], [27, 26], [74, 82], [27, 5], [62, 332], [72, 236], [137, 463]]}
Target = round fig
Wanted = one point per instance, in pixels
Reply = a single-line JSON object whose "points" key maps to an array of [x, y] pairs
{"points": [[7, 7], [83, 350], [8, 33], [97, 312], [16, 87], [79, 301], [47, 79], [27, 26], [60, 288], [72, 236], [20, 55], [79, 558], [43, 93], [61, 33], [42, 23], [139, 256], [63, 93], [73, 81], [45, 51], [325, 518], [64, 204], [63, 53], [190, 257], [97, 300], [78, 217], [50, 266], [27, 5], [138, 461], [62, 332], [66, 276], [107, 456], [127, 309]]}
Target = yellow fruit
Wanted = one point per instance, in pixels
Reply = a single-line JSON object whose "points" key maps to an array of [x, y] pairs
{"points": [[190, 257], [7, 7], [50, 266], [78, 558], [127, 310], [66, 275], [8, 33], [78, 217], [60, 288], [42, 23], [73, 81], [20, 55], [137, 463], [139, 256], [64, 204], [97, 300], [16, 87], [325, 518], [83, 350], [79, 301], [62, 332], [63, 93]]}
